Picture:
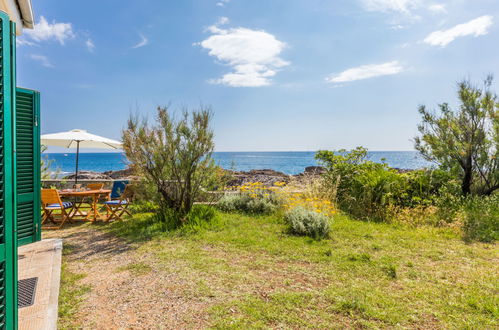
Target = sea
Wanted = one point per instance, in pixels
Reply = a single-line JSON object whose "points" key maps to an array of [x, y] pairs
{"points": [[292, 162]]}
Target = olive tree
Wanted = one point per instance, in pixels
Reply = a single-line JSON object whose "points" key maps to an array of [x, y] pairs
{"points": [[173, 155], [465, 141]]}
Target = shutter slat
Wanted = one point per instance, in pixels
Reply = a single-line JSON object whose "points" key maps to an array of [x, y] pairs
{"points": [[27, 143]]}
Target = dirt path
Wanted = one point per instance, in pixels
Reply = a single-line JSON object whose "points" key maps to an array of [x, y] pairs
{"points": [[127, 291]]}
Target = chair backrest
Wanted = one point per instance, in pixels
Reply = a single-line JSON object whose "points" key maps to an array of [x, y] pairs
{"points": [[118, 188], [95, 186], [128, 193], [50, 196]]}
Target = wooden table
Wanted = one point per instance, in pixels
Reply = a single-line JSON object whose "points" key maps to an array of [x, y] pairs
{"points": [[94, 214]]}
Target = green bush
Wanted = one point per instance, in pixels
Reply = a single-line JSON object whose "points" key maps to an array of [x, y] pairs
{"points": [[231, 203], [242, 202], [143, 206], [201, 217], [364, 188], [201, 214], [306, 222], [261, 206], [369, 190], [450, 207], [481, 219], [424, 187], [145, 226], [172, 155]]}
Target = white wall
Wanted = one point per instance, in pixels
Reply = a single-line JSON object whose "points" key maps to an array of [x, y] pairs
{"points": [[11, 8]]}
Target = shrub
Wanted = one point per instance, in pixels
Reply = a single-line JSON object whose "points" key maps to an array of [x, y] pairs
{"points": [[173, 156], [373, 191], [253, 198], [143, 206], [243, 202], [306, 222], [46, 166], [230, 203], [201, 217], [145, 226], [481, 219], [450, 207], [423, 187], [261, 206], [465, 141], [201, 214], [363, 188]]}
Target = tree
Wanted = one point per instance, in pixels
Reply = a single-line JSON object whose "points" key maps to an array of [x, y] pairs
{"points": [[46, 166], [465, 141], [174, 155]]}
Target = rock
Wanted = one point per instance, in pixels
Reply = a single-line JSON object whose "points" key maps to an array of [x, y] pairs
{"points": [[121, 174], [314, 170], [88, 175], [266, 176], [266, 172]]}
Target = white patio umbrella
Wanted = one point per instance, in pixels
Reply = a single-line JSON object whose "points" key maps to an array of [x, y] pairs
{"points": [[79, 138]]}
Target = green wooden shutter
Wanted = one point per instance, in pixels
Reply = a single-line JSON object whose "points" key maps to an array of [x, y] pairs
{"points": [[8, 243], [28, 166]]}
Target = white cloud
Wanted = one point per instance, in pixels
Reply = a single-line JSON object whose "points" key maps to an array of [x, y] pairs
{"points": [[23, 42], [401, 6], [252, 54], [222, 3], [223, 21], [366, 72], [397, 27], [42, 59], [405, 8], [90, 45], [44, 31], [215, 28], [143, 42], [477, 27], [437, 9]]}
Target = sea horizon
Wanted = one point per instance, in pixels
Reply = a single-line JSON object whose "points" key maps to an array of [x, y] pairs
{"points": [[240, 151], [288, 162]]}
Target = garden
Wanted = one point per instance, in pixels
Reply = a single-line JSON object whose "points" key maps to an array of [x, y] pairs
{"points": [[361, 245]]}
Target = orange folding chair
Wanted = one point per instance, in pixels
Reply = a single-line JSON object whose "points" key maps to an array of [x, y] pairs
{"points": [[115, 208], [95, 186], [88, 200], [51, 201]]}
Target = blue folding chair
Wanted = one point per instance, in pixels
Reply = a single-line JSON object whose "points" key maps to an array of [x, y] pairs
{"points": [[116, 207], [118, 188]]}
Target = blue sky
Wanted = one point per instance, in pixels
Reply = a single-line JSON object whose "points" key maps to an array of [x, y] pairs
{"points": [[279, 74]]}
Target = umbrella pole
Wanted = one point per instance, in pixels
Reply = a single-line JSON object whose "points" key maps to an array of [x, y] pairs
{"points": [[77, 154]]}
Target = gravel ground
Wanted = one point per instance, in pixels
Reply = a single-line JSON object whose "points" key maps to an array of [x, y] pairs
{"points": [[121, 297]]}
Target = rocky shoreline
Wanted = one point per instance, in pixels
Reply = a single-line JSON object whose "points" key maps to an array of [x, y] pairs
{"points": [[237, 178]]}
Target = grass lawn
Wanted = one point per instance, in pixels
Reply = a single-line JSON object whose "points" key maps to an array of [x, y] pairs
{"points": [[246, 272]]}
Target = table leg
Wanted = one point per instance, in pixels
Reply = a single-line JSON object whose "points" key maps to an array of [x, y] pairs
{"points": [[96, 212], [77, 208], [94, 205]]}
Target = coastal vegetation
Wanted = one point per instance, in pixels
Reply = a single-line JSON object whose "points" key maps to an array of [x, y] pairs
{"points": [[173, 157], [465, 142], [357, 244], [306, 222], [374, 192], [46, 166], [458, 191]]}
